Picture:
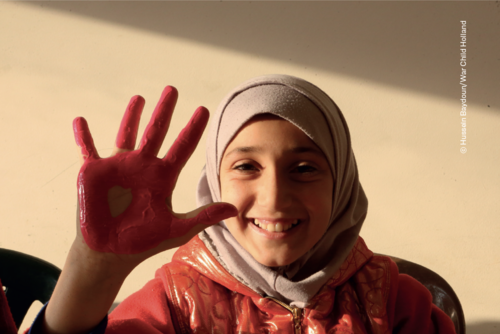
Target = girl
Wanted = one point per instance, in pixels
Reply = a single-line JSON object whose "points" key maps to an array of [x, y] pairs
{"points": [[281, 194]]}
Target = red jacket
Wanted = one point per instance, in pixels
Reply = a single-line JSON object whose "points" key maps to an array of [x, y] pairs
{"points": [[195, 294]]}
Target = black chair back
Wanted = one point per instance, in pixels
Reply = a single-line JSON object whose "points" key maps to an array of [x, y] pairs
{"points": [[443, 295], [26, 279]]}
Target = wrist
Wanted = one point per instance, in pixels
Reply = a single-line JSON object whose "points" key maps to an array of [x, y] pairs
{"points": [[100, 266], [86, 289]]}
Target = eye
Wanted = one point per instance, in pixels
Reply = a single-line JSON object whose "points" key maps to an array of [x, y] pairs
{"points": [[304, 169], [246, 167]]}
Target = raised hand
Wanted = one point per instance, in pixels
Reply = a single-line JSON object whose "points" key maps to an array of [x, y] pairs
{"points": [[125, 200]]}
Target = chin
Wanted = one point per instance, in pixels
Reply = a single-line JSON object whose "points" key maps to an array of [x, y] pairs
{"points": [[274, 261]]}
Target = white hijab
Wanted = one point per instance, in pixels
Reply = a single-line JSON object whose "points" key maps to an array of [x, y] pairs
{"points": [[313, 111]]}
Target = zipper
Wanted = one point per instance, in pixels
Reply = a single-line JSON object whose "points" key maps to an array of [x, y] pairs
{"points": [[296, 313]]}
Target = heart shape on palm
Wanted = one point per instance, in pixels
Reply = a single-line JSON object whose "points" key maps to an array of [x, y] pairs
{"points": [[145, 222]]}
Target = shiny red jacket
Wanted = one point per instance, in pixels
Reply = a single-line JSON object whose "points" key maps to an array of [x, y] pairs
{"points": [[195, 294]]}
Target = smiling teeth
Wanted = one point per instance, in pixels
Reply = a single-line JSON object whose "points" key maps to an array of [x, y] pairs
{"points": [[278, 227]]}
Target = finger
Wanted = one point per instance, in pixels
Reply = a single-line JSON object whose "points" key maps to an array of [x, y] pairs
{"points": [[191, 223], [209, 214], [158, 125], [188, 139], [127, 134], [117, 150], [84, 139]]}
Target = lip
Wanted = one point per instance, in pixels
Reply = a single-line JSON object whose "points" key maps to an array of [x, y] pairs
{"points": [[277, 235], [277, 220]]}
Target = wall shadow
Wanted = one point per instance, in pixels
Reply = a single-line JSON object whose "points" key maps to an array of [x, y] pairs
{"points": [[412, 45], [112, 308], [486, 327]]}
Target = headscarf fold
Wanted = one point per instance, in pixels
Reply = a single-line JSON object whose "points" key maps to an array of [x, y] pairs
{"points": [[313, 111]]}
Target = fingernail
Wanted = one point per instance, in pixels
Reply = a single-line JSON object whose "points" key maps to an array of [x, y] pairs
{"points": [[79, 125], [170, 90]]}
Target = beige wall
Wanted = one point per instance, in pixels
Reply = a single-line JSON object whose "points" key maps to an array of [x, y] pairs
{"points": [[392, 67]]}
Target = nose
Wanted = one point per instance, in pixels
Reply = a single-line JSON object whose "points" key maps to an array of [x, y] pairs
{"points": [[274, 191]]}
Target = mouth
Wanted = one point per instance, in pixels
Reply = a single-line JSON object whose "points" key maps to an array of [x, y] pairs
{"points": [[276, 227]]}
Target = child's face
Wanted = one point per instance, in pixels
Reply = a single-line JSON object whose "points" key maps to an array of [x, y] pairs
{"points": [[275, 175]]}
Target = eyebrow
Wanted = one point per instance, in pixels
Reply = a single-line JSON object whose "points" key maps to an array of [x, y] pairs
{"points": [[257, 149]]}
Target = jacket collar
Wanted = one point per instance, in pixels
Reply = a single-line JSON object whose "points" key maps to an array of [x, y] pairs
{"points": [[196, 255]]}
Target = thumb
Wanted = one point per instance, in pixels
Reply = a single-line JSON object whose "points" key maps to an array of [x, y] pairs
{"points": [[197, 220], [210, 214]]}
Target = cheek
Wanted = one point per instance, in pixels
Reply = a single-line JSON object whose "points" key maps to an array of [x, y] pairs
{"points": [[234, 192], [238, 195], [319, 203]]}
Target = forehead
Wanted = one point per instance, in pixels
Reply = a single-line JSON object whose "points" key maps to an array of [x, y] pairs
{"points": [[268, 132]]}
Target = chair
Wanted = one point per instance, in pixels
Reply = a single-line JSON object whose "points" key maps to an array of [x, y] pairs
{"points": [[26, 279], [443, 295]]}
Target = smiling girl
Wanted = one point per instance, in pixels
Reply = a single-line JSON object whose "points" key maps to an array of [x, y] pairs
{"points": [[282, 253]]}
